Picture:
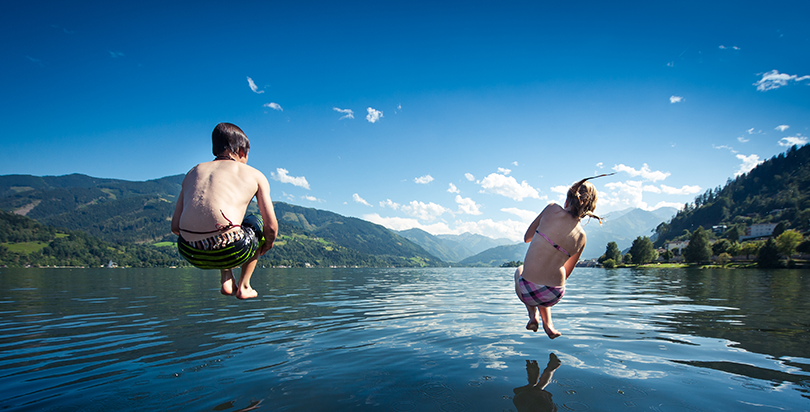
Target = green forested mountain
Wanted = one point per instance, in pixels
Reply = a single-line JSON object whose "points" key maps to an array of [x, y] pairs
{"points": [[124, 213], [24, 241], [498, 255], [776, 191], [117, 211]]}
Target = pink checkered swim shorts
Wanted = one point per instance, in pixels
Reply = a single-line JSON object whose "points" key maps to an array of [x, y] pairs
{"points": [[533, 294]]}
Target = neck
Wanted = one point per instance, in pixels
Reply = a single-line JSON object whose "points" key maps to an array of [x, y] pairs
{"points": [[224, 157]]}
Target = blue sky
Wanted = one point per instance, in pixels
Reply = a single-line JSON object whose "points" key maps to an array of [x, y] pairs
{"points": [[453, 117]]}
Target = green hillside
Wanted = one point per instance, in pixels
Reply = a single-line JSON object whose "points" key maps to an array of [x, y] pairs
{"points": [[124, 213], [498, 255], [776, 191], [24, 242]]}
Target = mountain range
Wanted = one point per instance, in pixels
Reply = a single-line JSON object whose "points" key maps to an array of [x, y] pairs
{"points": [[122, 212]]}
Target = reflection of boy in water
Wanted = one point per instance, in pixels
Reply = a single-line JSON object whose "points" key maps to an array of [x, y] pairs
{"points": [[533, 396]]}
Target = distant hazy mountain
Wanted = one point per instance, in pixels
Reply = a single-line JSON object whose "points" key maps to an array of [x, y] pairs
{"points": [[623, 229], [498, 255], [452, 248]]}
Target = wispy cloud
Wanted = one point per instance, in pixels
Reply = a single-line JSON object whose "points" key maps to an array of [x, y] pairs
{"points": [[507, 186], [116, 54], [253, 86], [424, 211], [742, 139], [311, 198], [282, 176], [467, 206], [685, 190], [389, 203], [774, 80], [782, 127], [274, 106], [33, 60], [729, 48], [349, 113], [373, 115], [644, 172], [753, 131], [525, 215], [675, 99], [423, 180], [504, 171], [469, 177], [729, 148], [360, 200], [797, 140], [600, 165], [453, 189], [748, 164]]}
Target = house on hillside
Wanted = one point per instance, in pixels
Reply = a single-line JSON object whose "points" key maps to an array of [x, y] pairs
{"points": [[758, 230], [679, 244], [719, 229]]}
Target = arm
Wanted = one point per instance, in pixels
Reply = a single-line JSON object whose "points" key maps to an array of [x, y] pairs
{"points": [[265, 204], [178, 211]]}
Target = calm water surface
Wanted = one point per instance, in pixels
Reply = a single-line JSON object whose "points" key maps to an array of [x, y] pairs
{"points": [[402, 340]]}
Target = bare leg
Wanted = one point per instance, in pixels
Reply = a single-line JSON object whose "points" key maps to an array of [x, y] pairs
{"points": [[545, 314], [534, 321], [228, 282], [244, 290]]}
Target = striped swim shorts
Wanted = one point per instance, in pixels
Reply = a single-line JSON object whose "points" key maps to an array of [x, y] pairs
{"points": [[225, 250]]}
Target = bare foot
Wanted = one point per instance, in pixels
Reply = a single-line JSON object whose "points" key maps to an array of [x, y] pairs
{"points": [[532, 325], [551, 332], [228, 286], [246, 292]]}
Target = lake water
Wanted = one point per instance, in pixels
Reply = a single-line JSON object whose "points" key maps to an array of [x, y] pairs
{"points": [[402, 340]]}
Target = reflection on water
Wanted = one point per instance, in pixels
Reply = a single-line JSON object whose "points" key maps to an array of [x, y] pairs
{"points": [[402, 339]]}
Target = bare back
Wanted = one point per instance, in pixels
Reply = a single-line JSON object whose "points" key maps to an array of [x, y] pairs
{"points": [[544, 264], [215, 192]]}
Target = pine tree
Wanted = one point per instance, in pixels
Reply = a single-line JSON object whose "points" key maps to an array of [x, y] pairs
{"points": [[698, 250]]}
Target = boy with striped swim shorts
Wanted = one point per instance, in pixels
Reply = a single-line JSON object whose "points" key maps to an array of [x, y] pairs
{"points": [[208, 216]]}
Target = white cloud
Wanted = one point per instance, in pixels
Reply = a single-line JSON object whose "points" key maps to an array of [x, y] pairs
{"points": [[311, 198], [360, 200], [685, 190], [401, 223], [560, 189], [782, 127], [526, 215], [774, 80], [424, 211], [253, 86], [730, 149], [274, 106], [751, 131], [650, 188], [515, 163], [797, 140], [116, 55], [742, 139], [509, 187], [625, 194], [676, 205], [469, 177], [504, 171], [281, 176], [675, 99], [453, 189], [349, 113], [373, 115], [644, 172], [423, 180], [467, 206], [600, 165], [509, 229], [389, 203], [748, 164]]}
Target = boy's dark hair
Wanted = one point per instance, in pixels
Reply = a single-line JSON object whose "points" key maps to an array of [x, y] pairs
{"points": [[228, 136]]}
